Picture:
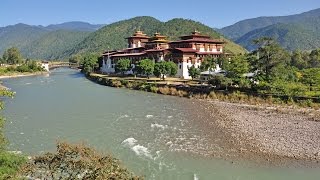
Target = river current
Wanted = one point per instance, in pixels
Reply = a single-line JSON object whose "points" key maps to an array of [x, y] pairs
{"points": [[153, 135]]}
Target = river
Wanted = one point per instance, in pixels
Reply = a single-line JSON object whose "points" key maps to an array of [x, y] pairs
{"points": [[153, 135]]}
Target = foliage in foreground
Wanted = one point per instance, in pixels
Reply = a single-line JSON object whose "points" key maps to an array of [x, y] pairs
{"points": [[9, 162], [75, 162]]}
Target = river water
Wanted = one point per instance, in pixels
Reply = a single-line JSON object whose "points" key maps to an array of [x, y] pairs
{"points": [[151, 134]]}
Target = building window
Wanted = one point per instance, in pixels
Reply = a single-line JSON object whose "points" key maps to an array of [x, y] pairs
{"points": [[180, 66]]}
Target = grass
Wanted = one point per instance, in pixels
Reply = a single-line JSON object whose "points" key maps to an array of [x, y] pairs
{"points": [[10, 164], [169, 87]]}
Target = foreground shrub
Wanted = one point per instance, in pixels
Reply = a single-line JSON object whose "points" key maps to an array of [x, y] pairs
{"points": [[75, 162], [164, 90], [10, 164], [154, 89]]}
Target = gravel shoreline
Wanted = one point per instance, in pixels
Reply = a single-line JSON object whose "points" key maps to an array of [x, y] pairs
{"points": [[262, 134]]}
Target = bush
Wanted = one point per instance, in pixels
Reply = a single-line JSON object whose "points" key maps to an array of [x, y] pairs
{"points": [[164, 90], [154, 89], [75, 162], [10, 163], [116, 83], [212, 95]]}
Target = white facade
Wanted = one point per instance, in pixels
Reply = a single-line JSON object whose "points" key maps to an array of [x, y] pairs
{"points": [[183, 68], [107, 66], [45, 65]]}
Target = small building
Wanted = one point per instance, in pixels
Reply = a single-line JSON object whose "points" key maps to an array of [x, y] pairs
{"points": [[189, 50], [45, 65]]}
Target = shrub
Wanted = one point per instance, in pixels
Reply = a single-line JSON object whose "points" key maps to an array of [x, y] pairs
{"points": [[75, 162], [164, 90], [182, 93], [173, 91], [212, 95], [154, 89], [116, 83], [10, 164]]}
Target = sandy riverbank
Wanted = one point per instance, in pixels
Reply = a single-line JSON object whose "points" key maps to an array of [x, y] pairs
{"points": [[267, 135], [22, 75]]}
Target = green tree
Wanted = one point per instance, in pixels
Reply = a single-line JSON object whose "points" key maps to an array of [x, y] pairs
{"points": [[89, 63], [209, 64], [145, 66], [76, 59], [311, 77], [237, 67], [194, 72], [298, 60], [12, 56], [123, 65], [314, 60], [163, 68], [269, 55]]}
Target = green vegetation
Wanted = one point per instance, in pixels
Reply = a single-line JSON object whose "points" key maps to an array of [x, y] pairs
{"points": [[11, 56], [163, 68], [145, 66], [9, 162], [76, 162], [89, 62], [113, 35], [37, 42], [52, 45], [14, 64], [241, 28], [292, 32], [193, 72], [123, 65]]}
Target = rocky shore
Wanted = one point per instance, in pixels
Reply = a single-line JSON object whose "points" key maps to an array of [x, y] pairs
{"points": [[267, 135]]}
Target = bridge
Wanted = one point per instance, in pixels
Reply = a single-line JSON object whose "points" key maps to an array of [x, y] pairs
{"points": [[53, 65]]}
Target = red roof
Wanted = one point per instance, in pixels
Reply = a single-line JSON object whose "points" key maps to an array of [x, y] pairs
{"points": [[205, 53], [186, 49], [140, 37], [130, 54], [199, 40], [155, 50]]}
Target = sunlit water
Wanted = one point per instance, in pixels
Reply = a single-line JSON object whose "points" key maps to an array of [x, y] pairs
{"points": [[151, 134]]}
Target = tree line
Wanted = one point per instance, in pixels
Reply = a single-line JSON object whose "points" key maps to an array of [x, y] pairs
{"points": [[13, 61]]}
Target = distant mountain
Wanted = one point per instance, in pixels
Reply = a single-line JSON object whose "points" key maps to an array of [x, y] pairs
{"points": [[240, 28], [41, 42], [292, 36], [113, 35], [299, 31], [19, 35], [52, 45], [75, 26]]}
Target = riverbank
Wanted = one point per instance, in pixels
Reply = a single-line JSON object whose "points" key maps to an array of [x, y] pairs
{"points": [[260, 132], [16, 75]]}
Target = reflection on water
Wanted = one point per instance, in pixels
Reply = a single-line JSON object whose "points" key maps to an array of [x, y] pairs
{"points": [[151, 134]]}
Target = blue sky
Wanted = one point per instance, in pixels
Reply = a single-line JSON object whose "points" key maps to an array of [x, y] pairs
{"points": [[210, 12]]}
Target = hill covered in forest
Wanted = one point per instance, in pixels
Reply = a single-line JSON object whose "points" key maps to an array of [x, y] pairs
{"points": [[113, 36]]}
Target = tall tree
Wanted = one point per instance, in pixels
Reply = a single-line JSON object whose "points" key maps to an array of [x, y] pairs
{"points": [[193, 72], [269, 55], [145, 66], [12, 56], [298, 60], [314, 60], [237, 67], [163, 68], [89, 63], [311, 77], [123, 65], [209, 64]]}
